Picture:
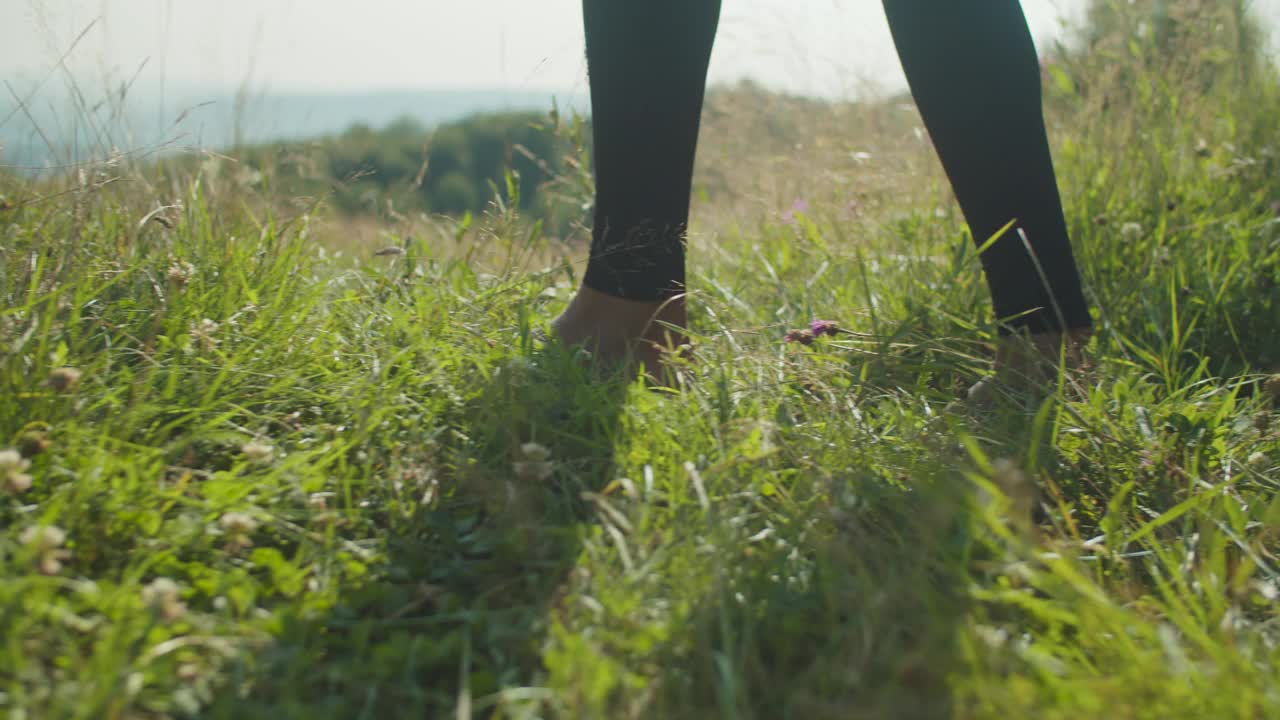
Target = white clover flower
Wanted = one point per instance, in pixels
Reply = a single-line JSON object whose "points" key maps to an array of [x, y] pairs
{"points": [[43, 537], [181, 272], [1131, 231], [534, 452], [532, 470], [1017, 487], [203, 334], [534, 463], [46, 541], [258, 451], [11, 459], [1257, 458], [1007, 474], [238, 527], [237, 523], [164, 596], [12, 476]]}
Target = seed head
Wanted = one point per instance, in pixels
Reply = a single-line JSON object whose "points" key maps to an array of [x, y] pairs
{"points": [[823, 327], [804, 336], [64, 378], [1272, 388], [1130, 231], [33, 442]]}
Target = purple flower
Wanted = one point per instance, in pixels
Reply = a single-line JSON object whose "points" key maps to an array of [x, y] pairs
{"points": [[799, 207], [823, 327], [804, 337]]}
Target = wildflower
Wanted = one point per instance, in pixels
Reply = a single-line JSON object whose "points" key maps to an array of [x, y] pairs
{"points": [[799, 207], [534, 463], [238, 527], [258, 452], [163, 596], [12, 477], [804, 337], [1257, 458], [46, 541], [823, 327], [64, 378], [1130, 231]]}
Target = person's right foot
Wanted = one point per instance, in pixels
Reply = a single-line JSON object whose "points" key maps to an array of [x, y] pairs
{"points": [[627, 332]]}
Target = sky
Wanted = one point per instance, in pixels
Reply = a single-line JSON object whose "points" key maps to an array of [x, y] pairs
{"points": [[192, 52], [830, 48]]}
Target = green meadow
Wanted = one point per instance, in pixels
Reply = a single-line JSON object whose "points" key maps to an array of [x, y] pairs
{"points": [[260, 458]]}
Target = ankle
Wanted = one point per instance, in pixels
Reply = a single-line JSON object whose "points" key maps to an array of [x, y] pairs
{"points": [[1053, 348]]}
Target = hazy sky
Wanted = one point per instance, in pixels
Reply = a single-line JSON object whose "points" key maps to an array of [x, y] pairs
{"points": [[814, 46], [825, 47]]}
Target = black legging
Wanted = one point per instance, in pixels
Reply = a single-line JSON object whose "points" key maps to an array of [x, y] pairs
{"points": [[973, 70]]}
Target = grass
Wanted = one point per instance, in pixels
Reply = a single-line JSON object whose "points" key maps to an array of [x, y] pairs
{"points": [[289, 483]]}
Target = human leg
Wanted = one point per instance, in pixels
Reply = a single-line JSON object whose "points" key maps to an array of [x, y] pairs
{"points": [[974, 73], [647, 63]]}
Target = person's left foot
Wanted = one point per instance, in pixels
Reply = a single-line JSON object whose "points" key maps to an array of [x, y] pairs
{"points": [[1031, 363]]}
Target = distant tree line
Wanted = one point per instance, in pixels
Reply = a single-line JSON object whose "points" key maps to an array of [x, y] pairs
{"points": [[453, 169]]}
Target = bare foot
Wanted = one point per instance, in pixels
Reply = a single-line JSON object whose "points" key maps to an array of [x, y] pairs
{"points": [[1031, 363], [629, 332]]}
